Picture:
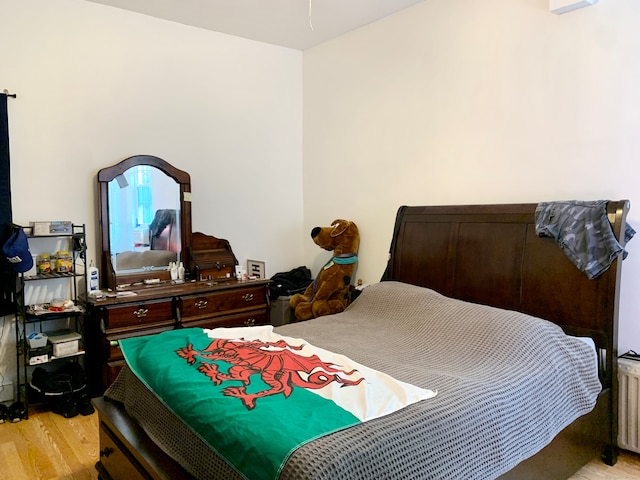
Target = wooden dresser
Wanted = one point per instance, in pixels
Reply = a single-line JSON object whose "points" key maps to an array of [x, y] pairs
{"points": [[157, 308]]}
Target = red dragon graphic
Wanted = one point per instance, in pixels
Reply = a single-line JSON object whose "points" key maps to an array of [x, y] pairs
{"points": [[276, 362]]}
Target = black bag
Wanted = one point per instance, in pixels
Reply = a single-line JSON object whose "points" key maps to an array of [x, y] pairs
{"points": [[68, 379], [289, 283], [64, 389]]}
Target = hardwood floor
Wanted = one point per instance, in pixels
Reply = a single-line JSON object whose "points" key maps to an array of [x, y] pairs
{"points": [[48, 446], [627, 468]]}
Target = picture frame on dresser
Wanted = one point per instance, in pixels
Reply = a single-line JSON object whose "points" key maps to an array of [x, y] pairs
{"points": [[256, 268]]}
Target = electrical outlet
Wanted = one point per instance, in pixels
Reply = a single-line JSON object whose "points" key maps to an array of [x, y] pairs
{"points": [[6, 393]]}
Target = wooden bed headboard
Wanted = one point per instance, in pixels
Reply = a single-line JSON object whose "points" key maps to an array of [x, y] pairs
{"points": [[490, 254]]}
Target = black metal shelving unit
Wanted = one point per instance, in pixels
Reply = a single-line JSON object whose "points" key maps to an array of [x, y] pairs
{"points": [[29, 320]]}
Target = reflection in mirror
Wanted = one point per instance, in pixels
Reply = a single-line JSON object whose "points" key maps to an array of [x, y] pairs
{"points": [[145, 220], [145, 233]]}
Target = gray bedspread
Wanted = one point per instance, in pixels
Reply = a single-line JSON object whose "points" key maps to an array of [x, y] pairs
{"points": [[507, 384]]}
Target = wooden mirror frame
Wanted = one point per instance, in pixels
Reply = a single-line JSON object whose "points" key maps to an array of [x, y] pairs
{"points": [[109, 277]]}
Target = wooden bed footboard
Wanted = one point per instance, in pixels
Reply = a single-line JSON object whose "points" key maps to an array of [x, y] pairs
{"points": [[127, 452]]}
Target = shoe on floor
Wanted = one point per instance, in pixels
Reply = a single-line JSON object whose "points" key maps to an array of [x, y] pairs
{"points": [[84, 406], [16, 412], [67, 406]]}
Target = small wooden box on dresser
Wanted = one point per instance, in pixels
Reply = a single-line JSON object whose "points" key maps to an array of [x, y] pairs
{"points": [[157, 308]]}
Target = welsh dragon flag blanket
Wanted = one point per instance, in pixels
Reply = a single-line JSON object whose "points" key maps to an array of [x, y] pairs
{"points": [[255, 396]]}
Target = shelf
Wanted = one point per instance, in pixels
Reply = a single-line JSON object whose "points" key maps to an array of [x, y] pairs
{"points": [[47, 315], [74, 354], [29, 316], [56, 235], [50, 276], [76, 230], [54, 358]]}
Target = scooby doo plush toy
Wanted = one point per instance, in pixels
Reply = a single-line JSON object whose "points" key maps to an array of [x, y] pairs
{"points": [[328, 293]]}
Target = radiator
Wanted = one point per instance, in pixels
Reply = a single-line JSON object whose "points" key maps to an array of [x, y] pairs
{"points": [[629, 404]]}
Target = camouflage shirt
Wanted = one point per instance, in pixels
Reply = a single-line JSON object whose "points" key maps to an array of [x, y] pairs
{"points": [[584, 233]]}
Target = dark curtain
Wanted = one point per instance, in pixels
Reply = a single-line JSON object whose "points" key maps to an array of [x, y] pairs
{"points": [[6, 223]]}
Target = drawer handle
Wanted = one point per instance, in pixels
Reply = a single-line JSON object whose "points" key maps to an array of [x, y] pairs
{"points": [[250, 322], [141, 312], [247, 297], [201, 304], [106, 452]]}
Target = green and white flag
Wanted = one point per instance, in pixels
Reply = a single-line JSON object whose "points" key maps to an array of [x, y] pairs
{"points": [[255, 396]]}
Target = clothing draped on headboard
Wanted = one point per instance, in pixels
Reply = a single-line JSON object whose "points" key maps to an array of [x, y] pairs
{"points": [[6, 221], [583, 231]]}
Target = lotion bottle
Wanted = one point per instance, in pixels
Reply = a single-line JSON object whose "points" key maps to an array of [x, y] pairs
{"points": [[94, 278], [181, 271], [174, 271]]}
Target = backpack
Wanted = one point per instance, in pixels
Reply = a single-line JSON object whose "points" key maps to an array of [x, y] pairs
{"points": [[289, 283]]}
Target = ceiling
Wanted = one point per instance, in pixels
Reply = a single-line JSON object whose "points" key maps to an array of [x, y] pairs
{"points": [[298, 24]]}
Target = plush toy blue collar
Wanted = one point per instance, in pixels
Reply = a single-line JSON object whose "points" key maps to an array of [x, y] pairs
{"points": [[346, 258], [342, 259]]}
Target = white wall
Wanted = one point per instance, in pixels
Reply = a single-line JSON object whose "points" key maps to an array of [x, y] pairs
{"points": [[460, 101], [97, 84]]}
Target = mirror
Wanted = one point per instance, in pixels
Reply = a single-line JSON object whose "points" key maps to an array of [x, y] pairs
{"points": [[145, 220]]}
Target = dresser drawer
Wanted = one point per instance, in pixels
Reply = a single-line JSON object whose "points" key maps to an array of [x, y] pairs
{"points": [[139, 314], [244, 319], [115, 460], [113, 341], [195, 307]]}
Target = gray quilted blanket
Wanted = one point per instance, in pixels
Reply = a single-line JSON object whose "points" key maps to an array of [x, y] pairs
{"points": [[507, 384]]}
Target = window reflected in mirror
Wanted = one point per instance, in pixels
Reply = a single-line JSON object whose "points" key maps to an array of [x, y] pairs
{"points": [[144, 220]]}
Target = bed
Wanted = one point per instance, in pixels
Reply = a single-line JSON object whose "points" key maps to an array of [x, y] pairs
{"points": [[475, 256]]}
